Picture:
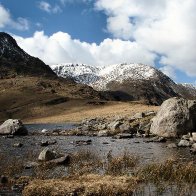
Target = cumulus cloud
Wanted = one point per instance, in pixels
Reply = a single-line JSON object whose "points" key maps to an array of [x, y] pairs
{"points": [[169, 71], [61, 48], [6, 20], [47, 7], [162, 26]]}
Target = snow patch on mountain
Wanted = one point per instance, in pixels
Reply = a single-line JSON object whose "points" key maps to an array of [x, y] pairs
{"points": [[99, 77]]}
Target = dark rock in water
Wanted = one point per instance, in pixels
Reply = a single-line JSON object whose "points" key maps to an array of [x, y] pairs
{"points": [[30, 165], [44, 143], [105, 142], [4, 179], [64, 160], [13, 127], [46, 155], [18, 145], [123, 136], [175, 118], [83, 142]]}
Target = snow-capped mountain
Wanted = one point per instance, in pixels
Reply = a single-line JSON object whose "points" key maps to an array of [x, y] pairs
{"points": [[187, 90], [99, 77], [81, 73], [126, 81]]}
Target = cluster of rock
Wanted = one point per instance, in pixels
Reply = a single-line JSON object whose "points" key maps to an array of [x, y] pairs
{"points": [[121, 127], [188, 140]]}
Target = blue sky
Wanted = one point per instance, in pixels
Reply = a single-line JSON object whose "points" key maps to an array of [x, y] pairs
{"points": [[160, 33]]}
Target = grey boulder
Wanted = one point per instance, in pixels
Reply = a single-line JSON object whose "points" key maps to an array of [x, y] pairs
{"points": [[176, 117], [46, 155], [184, 143], [13, 127]]}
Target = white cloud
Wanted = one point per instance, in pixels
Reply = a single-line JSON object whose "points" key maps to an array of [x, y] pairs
{"points": [[45, 6], [4, 16], [7, 21], [162, 26], [169, 71], [61, 48]]}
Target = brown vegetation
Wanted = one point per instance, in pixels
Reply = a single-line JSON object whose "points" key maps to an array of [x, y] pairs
{"points": [[38, 100]]}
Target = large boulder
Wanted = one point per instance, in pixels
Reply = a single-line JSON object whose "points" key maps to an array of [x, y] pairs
{"points": [[13, 127], [176, 117]]}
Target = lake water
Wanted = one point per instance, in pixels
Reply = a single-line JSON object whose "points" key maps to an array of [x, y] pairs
{"points": [[50, 127], [147, 152]]}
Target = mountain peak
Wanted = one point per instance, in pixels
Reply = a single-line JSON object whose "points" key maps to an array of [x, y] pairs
{"points": [[15, 61]]}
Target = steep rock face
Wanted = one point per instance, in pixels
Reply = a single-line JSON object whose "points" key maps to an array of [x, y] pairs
{"points": [[175, 117], [14, 61], [123, 81]]}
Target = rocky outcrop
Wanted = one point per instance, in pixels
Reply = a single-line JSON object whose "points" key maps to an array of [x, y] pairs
{"points": [[13, 127], [175, 118]]}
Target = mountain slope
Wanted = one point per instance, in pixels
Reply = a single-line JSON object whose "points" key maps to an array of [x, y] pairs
{"points": [[30, 89], [14, 61], [125, 81]]}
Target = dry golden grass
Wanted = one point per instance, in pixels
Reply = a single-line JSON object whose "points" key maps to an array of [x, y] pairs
{"points": [[26, 97], [77, 110], [91, 184]]}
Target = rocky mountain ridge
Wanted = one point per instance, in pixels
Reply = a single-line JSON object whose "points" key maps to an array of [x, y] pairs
{"points": [[126, 81]]}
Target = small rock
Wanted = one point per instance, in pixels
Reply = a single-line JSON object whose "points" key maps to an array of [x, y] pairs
{"points": [[46, 155], [185, 137], [193, 138], [44, 143], [184, 143], [123, 136], [64, 160], [18, 145], [10, 136], [103, 133], [193, 149], [172, 145], [150, 113], [105, 143], [157, 139], [125, 128], [44, 131], [83, 142], [114, 126], [30, 165], [138, 115]]}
